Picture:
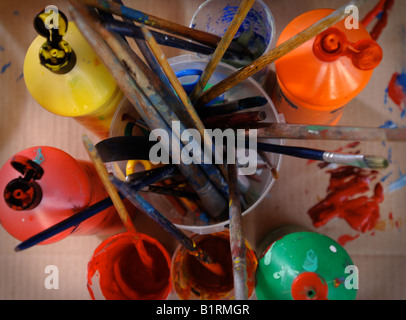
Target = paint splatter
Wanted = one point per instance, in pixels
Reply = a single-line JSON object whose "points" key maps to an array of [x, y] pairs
{"points": [[397, 184], [389, 125], [311, 262], [21, 76], [382, 20], [4, 68], [39, 158], [346, 183], [397, 89]]}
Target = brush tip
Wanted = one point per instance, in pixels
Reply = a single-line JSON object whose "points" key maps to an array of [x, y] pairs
{"points": [[376, 162]]}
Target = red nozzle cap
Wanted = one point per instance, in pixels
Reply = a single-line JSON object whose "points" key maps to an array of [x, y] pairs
{"points": [[331, 44], [366, 54], [24, 193]]}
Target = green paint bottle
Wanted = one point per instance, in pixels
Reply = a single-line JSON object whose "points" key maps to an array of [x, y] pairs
{"points": [[301, 265]]}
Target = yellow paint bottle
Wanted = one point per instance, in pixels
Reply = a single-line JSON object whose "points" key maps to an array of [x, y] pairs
{"points": [[66, 77]]}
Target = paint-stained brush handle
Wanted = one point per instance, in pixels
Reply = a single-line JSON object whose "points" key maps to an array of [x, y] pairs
{"points": [[159, 23], [317, 132], [356, 160]]}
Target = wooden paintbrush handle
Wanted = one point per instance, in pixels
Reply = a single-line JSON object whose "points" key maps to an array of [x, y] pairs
{"points": [[276, 53]]}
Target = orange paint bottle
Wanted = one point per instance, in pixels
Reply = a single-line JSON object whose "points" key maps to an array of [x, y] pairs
{"points": [[41, 186], [316, 80]]}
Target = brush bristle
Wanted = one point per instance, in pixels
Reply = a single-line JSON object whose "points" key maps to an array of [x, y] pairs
{"points": [[376, 162]]}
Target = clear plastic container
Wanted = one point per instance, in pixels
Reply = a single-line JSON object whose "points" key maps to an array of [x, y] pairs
{"points": [[189, 278], [253, 190], [256, 32]]}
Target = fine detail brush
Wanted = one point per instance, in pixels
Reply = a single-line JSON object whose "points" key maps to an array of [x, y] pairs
{"points": [[356, 160], [117, 201], [139, 202]]}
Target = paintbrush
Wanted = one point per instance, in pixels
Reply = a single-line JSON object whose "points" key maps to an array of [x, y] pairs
{"points": [[232, 106], [356, 160], [151, 86], [192, 118], [237, 241], [159, 23], [87, 213], [225, 41], [133, 31], [118, 203], [113, 52], [317, 132], [141, 178], [170, 192], [143, 205], [276, 53], [243, 120]]}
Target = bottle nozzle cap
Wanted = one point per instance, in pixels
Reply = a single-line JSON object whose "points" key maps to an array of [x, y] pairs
{"points": [[24, 193], [331, 44]]}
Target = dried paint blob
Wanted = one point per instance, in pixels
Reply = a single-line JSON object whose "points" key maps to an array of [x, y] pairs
{"points": [[191, 280], [116, 271], [304, 266], [347, 199], [397, 89]]}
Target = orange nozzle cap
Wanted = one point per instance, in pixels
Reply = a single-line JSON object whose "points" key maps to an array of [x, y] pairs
{"points": [[331, 44], [366, 54]]}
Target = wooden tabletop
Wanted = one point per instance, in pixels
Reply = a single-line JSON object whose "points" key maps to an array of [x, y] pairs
{"points": [[379, 254]]}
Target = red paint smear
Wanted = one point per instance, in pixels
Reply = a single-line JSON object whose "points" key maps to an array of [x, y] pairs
{"points": [[373, 13], [396, 91], [122, 275], [347, 182], [383, 21], [346, 238]]}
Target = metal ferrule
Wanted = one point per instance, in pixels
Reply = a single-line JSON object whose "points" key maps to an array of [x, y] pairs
{"points": [[346, 159]]}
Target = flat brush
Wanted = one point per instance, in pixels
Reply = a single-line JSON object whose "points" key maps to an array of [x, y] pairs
{"points": [[356, 160]]}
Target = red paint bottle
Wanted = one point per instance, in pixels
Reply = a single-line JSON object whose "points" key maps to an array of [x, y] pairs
{"points": [[42, 186]]}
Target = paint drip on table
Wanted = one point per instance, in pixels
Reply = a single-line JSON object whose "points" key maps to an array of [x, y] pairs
{"points": [[355, 195], [348, 198]]}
